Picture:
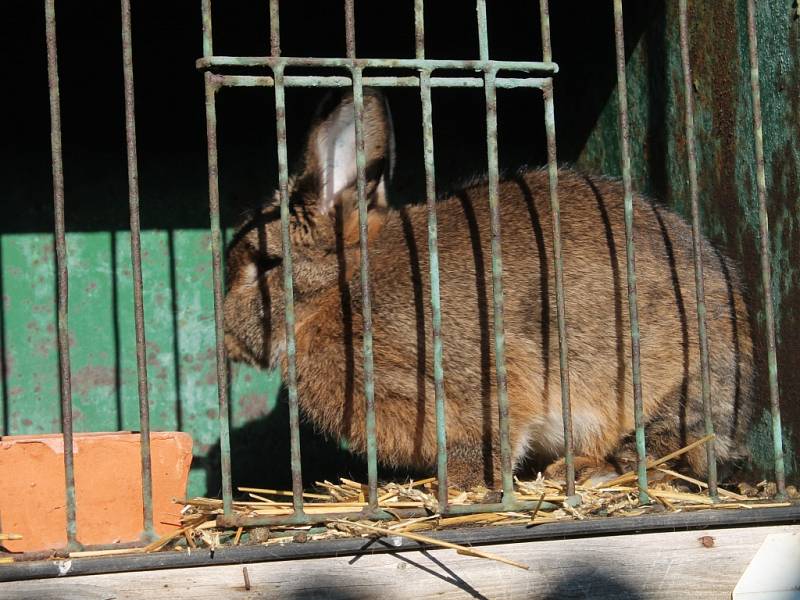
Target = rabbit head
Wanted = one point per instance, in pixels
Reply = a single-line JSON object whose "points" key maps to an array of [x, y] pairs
{"points": [[323, 225]]}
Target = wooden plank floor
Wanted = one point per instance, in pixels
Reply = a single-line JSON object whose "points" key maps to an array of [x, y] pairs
{"points": [[654, 565]]}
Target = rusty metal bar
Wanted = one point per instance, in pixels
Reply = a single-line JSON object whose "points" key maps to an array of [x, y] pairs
{"points": [[419, 30], [136, 261], [350, 29], [341, 81], [697, 244], [558, 262], [288, 284], [216, 261], [209, 62], [630, 252], [208, 46], [766, 271], [62, 274], [240, 520], [433, 262], [219, 329], [274, 29], [361, 187], [497, 259]]}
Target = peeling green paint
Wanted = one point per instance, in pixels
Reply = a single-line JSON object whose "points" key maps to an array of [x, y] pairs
{"points": [[759, 441], [726, 165], [178, 308]]}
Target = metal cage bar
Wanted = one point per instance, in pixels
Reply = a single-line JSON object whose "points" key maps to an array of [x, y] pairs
{"points": [[62, 274], [766, 272], [341, 81], [136, 263], [630, 252], [216, 258], [288, 284], [697, 244], [433, 253], [558, 262], [211, 62], [216, 261], [497, 259], [366, 302]]}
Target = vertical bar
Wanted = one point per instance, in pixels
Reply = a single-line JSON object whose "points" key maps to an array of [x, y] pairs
{"points": [[208, 47], [433, 253], [136, 260], [361, 165], [62, 274], [274, 28], [705, 379], [766, 274], [419, 29], [288, 284], [558, 262], [369, 375], [216, 256], [497, 259], [350, 28], [638, 413]]}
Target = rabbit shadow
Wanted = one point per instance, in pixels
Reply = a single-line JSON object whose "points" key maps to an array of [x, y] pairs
{"points": [[260, 456]]}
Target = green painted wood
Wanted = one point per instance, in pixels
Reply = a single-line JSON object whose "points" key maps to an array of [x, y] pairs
{"points": [[726, 163], [180, 333]]}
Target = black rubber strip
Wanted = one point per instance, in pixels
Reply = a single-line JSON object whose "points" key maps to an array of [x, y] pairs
{"points": [[706, 519]]}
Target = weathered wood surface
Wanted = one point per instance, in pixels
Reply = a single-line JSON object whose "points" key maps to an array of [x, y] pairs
{"points": [[656, 565]]}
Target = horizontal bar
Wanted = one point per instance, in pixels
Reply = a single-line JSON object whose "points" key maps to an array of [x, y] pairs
{"points": [[296, 518], [376, 63], [336, 81], [511, 505], [237, 520], [500, 534]]}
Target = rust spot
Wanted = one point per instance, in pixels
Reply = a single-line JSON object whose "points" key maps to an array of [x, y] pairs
{"points": [[91, 377], [211, 413], [27, 422], [211, 378], [706, 541]]}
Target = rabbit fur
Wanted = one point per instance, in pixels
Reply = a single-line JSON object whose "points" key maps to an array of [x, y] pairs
{"points": [[324, 231]]}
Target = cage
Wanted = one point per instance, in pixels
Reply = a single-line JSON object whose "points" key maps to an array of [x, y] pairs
{"points": [[134, 342]]}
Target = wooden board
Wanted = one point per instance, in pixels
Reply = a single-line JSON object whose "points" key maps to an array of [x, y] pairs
{"points": [[656, 565]]}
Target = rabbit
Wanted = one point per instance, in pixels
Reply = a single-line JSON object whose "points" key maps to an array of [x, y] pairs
{"points": [[324, 230]]}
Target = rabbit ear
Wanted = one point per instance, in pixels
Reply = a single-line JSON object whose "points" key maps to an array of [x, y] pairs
{"points": [[331, 152]]}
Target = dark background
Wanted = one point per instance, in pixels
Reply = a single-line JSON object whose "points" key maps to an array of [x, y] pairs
{"points": [[167, 39]]}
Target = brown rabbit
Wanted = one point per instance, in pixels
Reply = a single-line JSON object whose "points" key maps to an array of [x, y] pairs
{"points": [[328, 304]]}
